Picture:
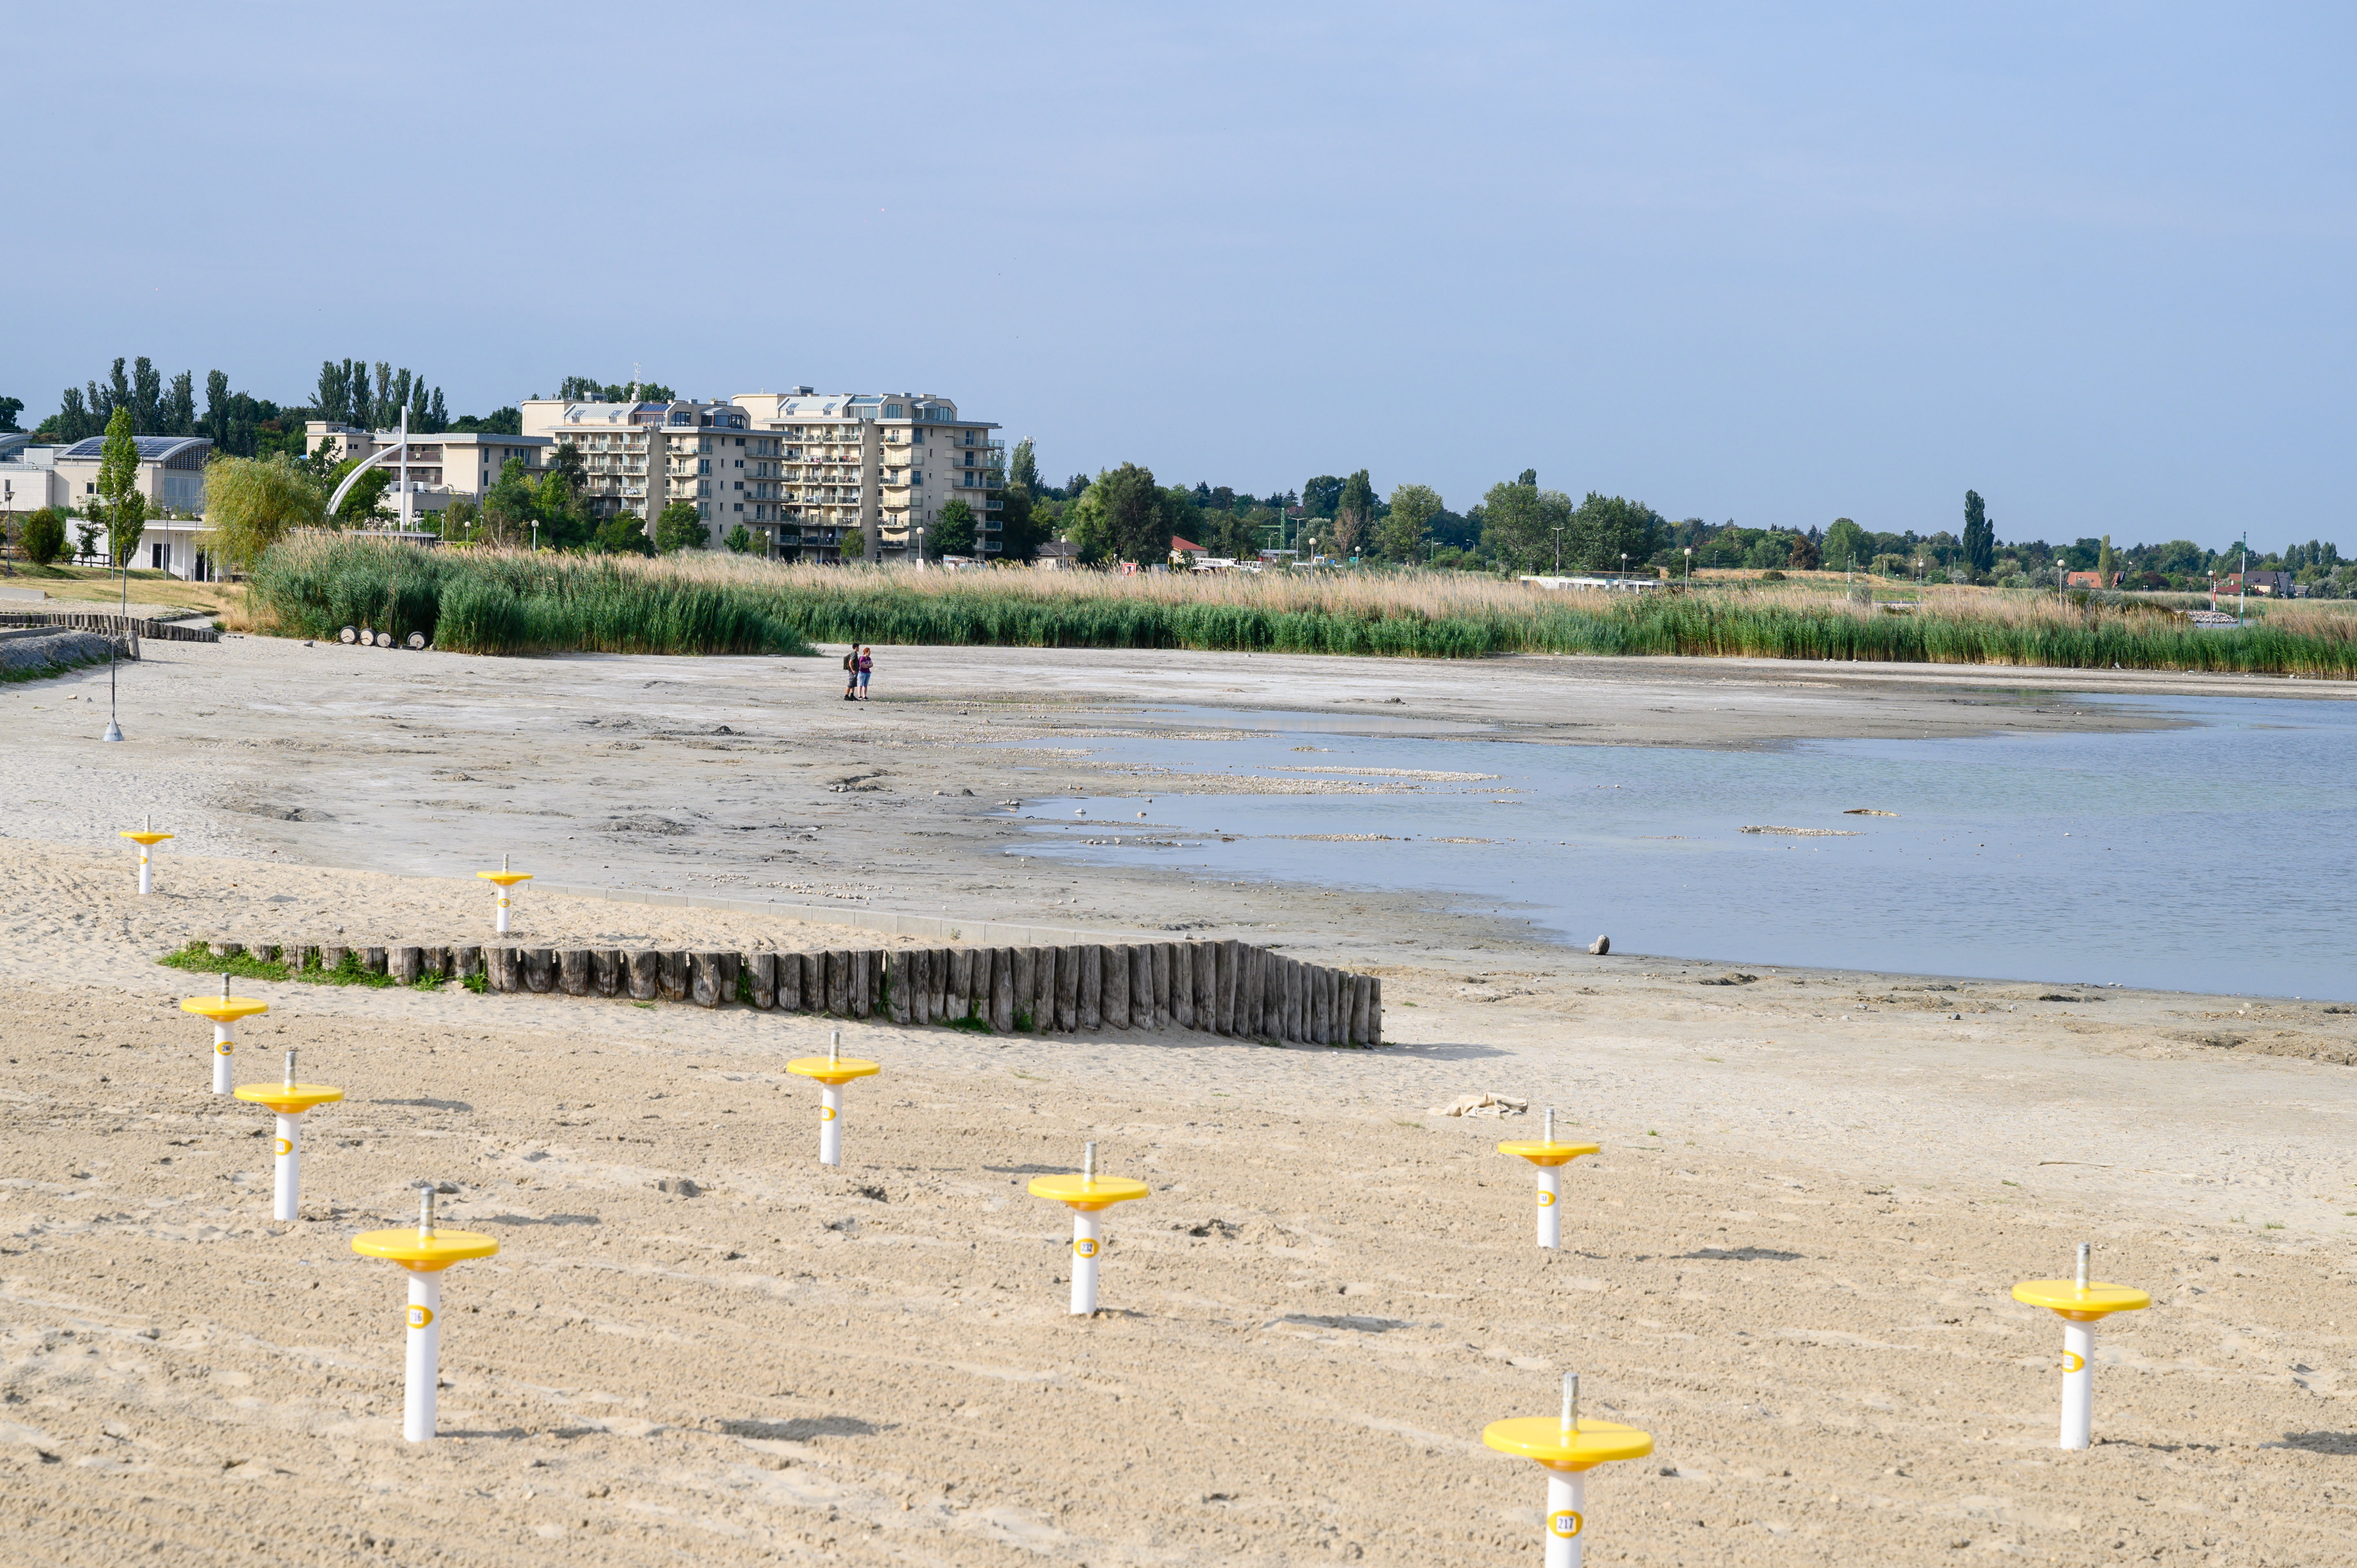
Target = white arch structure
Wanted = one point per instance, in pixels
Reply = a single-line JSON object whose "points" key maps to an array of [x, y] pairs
{"points": [[396, 453]]}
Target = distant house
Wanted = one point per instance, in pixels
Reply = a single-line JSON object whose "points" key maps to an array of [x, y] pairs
{"points": [[1056, 555], [1182, 553], [2278, 585], [2090, 580]]}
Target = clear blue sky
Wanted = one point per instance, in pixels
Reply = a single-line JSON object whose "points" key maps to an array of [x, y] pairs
{"points": [[1774, 262]]}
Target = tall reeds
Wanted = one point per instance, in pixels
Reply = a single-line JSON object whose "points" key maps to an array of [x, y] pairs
{"points": [[505, 602]]}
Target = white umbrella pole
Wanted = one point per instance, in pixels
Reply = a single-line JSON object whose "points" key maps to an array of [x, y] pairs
{"points": [[1085, 1248], [425, 1356], [2078, 1384], [225, 1053], [286, 1194], [1550, 1206], [146, 876], [830, 1124], [1566, 1517]]}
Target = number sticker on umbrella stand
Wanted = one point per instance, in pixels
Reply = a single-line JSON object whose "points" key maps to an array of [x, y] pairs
{"points": [[425, 1253], [224, 1010], [1569, 1447], [1087, 1194], [832, 1070], [1549, 1156], [290, 1100], [2082, 1304]]}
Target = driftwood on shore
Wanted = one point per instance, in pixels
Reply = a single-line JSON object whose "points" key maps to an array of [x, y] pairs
{"points": [[1228, 988]]}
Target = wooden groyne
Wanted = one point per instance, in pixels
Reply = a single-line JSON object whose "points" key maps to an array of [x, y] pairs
{"points": [[1230, 988]]}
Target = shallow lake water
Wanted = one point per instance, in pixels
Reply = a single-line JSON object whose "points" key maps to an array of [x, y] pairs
{"points": [[2216, 857]]}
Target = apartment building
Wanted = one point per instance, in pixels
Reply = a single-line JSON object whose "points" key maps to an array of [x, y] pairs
{"points": [[883, 463], [638, 458], [451, 465]]}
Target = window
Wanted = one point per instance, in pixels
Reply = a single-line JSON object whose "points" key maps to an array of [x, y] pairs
{"points": [[704, 464]]}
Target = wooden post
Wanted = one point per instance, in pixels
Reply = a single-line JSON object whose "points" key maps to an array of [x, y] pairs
{"points": [[863, 983], [1246, 1020], [838, 982], [1360, 988], [764, 966], [606, 968], [900, 978], [401, 964], [1163, 974], [642, 967], [573, 971], [1224, 988], [672, 974], [1024, 980], [1293, 999], [466, 960], [939, 979], [1321, 1006], [1141, 985], [540, 968], [790, 983], [704, 980], [1077, 975], [960, 990], [1375, 1009], [372, 959], [1182, 983], [1116, 987], [1043, 991], [1002, 990], [920, 985]]}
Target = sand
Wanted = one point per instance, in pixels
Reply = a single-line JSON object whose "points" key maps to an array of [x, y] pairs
{"points": [[1790, 1263]]}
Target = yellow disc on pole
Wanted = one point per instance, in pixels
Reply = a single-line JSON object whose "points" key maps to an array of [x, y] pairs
{"points": [[2080, 1305], [427, 1255], [841, 1070], [285, 1100], [1541, 1437], [143, 837], [1084, 1194], [1550, 1153], [224, 1009], [505, 878]]}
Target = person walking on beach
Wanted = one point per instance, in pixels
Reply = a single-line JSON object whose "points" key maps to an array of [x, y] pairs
{"points": [[851, 675], [866, 668]]}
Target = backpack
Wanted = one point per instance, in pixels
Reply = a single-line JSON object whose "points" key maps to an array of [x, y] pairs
{"points": [[851, 661]]}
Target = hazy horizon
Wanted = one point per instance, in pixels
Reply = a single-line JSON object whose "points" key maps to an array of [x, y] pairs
{"points": [[1777, 265]]}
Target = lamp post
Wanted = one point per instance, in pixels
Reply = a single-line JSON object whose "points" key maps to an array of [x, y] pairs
{"points": [[1559, 551], [1689, 565], [115, 730], [2242, 583]]}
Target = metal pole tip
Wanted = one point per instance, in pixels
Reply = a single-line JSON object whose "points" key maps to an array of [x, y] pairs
{"points": [[1571, 1401]]}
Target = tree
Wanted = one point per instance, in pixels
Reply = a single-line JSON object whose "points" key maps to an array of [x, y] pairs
{"points": [[87, 531], [589, 389], [1128, 508], [43, 538], [2106, 562], [1980, 535], [851, 546], [1321, 496], [679, 526], [624, 533], [510, 506], [1520, 523], [10, 407], [1806, 555], [1844, 546], [1354, 514], [1018, 532], [557, 508], [1401, 537], [124, 509], [178, 417], [251, 502], [953, 531], [740, 540], [1609, 532], [1024, 468]]}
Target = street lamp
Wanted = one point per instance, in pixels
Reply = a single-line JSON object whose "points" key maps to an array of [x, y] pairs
{"points": [[1689, 565], [1559, 551]]}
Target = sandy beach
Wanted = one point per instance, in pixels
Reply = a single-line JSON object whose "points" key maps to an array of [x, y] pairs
{"points": [[1790, 1263]]}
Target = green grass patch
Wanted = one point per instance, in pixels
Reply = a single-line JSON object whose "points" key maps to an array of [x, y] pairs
{"points": [[970, 1025], [197, 958]]}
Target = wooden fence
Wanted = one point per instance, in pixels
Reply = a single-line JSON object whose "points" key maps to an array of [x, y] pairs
{"points": [[1221, 988]]}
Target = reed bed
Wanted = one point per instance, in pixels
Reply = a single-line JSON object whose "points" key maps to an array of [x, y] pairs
{"points": [[497, 602]]}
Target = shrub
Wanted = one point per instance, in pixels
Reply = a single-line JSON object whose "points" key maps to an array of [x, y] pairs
{"points": [[44, 536]]}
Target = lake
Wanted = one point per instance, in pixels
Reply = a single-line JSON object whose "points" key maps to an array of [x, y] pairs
{"points": [[2217, 856]]}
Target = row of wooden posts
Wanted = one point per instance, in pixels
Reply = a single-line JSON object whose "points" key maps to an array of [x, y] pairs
{"points": [[1223, 987]]}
